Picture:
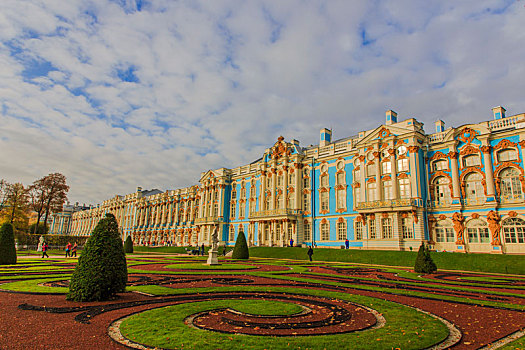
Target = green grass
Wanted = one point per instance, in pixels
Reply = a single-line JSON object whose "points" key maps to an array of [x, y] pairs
{"points": [[164, 327], [518, 344], [493, 263]]}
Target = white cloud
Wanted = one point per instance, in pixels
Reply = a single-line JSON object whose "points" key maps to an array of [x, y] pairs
{"points": [[213, 84]]}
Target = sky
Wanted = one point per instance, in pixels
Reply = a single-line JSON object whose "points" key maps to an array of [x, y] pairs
{"points": [[116, 94]]}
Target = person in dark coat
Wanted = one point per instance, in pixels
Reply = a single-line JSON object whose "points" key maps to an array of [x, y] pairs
{"points": [[310, 253], [202, 248], [347, 243], [44, 249], [74, 250]]}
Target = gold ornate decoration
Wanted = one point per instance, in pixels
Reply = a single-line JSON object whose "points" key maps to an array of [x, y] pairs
{"points": [[384, 215], [372, 216], [494, 226], [505, 144], [468, 149], [442, 217], [392, 151], [438, 155], [459, 227], [475, 215], [413, 149], [324, 221], [361, 158], [414, 215], [340, 219], [467, 135], [402, 176], [453, 155], [399, 143], [386, 178], [356, 185], [513, 214], [485, 149], [377, 155], [384, 132], [371, 180], [280, 149]]}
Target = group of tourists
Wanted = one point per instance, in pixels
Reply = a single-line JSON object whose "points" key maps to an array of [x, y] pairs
{"points": [[71, 250]]}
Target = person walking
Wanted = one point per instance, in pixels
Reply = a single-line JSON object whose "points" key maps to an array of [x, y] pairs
{"points": [[44, 250], [347, 243], [310, 253], [291, 242], [202, 247], [68, 249], [74, 250]]}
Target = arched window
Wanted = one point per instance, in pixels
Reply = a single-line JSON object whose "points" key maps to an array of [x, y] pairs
{"points": [[478, 231], [371, 191], [386, 228], [442, 190], [514, 230], [232, 209], [387, 190], [232, 233], [340, 178], [341, 230], [506, 155], [510, 185], [280, 202], [473, 187], [404, 188], [267, 202], [234, 194], [444, 231], [358, 228], [407, 228]]}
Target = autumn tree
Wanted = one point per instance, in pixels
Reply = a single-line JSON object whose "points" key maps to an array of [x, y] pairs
{"points": [[38, 199], [15, 205], [50, 194]]}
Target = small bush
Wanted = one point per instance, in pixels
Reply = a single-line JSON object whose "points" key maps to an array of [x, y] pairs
{"points": [[424, 262], [128, 245], [240, 251], [101, 271], [7, 245]]}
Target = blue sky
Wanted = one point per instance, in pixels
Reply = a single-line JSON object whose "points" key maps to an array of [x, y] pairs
{"points": [[119, 94]]}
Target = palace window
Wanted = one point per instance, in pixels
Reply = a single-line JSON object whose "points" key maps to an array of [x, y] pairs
{"points": [[371, 191], [325, 231], [340, 178], [291, 200], [232, 209], [471, 161], [407, 229], [232, 233], [386, 167], [306, 182], [510, 184], [507, 155], [402, 164], [306, 201], [387, 190], [268, 199], [279, 181], [473, 187], [357, 175], [243, 192], [341, 230], [440, 165], [386, 228], [290, 232], [477, 231], [442, 190], [324, 180], [358, 227], [215, 209], [371, 170], [357, 194], [291, 178], [444, 231], [324, 200], [341, 198], [404, 188], [242, 209], [514, 230], [372, 228], [252, 206], [234, 194], [307, 231], [280, 203]]}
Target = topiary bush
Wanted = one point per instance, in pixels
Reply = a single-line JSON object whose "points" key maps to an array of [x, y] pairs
{"points": [[7, 245], [240, 251], [101, 271], [128, 245], [424, 262]]}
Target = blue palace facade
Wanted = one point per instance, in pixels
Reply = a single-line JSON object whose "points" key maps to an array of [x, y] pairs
{"points": [[458, 189]]}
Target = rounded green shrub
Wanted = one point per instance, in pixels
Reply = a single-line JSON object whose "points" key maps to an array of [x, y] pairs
{"points": [[101, 271], [128, 245], [424, 262], [240, 251], [7, 245]]}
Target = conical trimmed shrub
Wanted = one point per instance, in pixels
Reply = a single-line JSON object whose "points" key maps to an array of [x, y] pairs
{"points": [[424, 262], [7, 245], [101, 271], [240, 251], [128, 245]]}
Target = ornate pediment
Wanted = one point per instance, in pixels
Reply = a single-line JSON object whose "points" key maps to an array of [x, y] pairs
{"points": [[280, 148]]}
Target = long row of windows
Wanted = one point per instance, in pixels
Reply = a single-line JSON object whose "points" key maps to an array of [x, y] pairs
{"points": [[477, 231]]}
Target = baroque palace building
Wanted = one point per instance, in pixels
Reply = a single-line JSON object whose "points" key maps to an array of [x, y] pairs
{"points": [[458, 189]]}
